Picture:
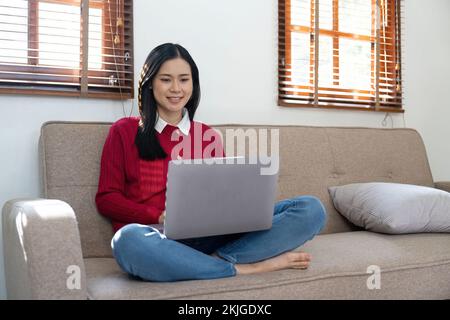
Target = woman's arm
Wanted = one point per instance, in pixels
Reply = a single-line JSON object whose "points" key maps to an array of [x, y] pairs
{"points": [[110, 199]]}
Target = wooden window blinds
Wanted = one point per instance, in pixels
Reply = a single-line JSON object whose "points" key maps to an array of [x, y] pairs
{"points": [[341, 54], [67, 47]]}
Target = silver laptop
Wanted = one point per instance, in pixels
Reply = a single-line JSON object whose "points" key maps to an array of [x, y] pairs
{"points": [[228, 196]]}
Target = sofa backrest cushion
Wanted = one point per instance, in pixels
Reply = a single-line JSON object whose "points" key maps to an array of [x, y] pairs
{"points": [[311, 160]]}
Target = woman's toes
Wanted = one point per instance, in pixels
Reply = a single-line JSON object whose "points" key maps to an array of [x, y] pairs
{"points": [[302, 265], [305, 256], [302, 256]]}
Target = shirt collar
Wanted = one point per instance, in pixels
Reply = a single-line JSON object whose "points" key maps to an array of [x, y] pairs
{"points": [[184, 125]]}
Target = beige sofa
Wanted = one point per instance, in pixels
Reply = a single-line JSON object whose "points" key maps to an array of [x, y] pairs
{"points": [[60, 249]]}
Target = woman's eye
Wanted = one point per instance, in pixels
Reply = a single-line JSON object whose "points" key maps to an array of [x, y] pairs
{"points": [[165, 79], [185, 80]]}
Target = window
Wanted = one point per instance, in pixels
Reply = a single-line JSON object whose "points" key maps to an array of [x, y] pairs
{"points": [[67, 47], [342, 54]]}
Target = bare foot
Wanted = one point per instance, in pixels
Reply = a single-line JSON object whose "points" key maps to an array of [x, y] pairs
{"points": [[287, 260]]}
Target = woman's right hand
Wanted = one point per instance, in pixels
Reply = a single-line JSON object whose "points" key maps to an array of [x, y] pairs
{"points": [[162, 217]]}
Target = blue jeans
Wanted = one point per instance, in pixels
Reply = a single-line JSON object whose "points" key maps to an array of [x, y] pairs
{"points": [[143, 252]]}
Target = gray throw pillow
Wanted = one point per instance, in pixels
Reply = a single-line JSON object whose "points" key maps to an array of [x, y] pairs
{"points": [[392, 207]]}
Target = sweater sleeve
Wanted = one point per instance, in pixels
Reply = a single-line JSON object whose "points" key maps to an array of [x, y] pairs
{"points": [[110, 198]]}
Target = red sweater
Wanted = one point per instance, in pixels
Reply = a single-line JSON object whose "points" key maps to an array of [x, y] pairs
{"points": [[132, 190]]}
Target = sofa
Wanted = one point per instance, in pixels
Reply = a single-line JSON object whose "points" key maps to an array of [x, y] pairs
{"points": [[58, 246]]}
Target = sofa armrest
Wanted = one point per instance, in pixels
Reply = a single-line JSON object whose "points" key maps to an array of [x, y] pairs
{"points": [[42, 250], [443, 185]]}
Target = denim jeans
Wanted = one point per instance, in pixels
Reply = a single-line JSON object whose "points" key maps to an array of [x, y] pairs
{"points": [[143, 252]]}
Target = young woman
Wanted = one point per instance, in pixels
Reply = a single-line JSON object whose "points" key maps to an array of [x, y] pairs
{"points": [[132, 187]]}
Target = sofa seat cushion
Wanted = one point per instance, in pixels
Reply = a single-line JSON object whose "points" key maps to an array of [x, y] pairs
{"points": [[413, 266]]}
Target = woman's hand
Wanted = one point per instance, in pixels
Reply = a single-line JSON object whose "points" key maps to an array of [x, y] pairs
{"points": [[162, 217]]}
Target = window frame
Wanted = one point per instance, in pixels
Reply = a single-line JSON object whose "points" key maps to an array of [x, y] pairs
{"points": [[63, 75], [285, 58]]}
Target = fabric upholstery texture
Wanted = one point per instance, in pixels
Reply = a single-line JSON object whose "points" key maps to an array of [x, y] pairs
{"points": [[43, 249], [311, 160], [393, 207], [411, 267], [444, 185]]}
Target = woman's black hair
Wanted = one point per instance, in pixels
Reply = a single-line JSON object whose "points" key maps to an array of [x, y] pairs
{"points": [[146, 140]]}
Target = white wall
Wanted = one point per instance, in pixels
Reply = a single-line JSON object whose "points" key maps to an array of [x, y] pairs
{"points": [[427, 78], [237, 57]]}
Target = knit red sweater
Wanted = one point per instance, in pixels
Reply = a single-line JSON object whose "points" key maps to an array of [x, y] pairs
{"points": [[132, 190]]}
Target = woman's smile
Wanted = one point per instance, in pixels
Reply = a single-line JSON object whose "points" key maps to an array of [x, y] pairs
{"points": [[175, 100]]}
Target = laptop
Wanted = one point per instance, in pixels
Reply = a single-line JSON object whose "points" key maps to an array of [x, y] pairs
{"points": [[224, 197]]}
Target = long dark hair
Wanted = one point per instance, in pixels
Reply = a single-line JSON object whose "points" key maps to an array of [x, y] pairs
{"points": [[146, 139]]}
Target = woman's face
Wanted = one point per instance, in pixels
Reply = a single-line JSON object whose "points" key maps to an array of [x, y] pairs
{"points": [[172, 87]]}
